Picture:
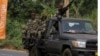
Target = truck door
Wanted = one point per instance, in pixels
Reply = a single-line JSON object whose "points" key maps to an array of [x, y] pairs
{"points": [[52, 44]]}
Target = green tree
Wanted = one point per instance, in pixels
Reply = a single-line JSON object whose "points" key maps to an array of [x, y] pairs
{"points": [[83, 7], [50, 8], [23, 8]]}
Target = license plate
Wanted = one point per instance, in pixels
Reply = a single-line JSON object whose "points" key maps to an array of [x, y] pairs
{"points": [[96, 53]]}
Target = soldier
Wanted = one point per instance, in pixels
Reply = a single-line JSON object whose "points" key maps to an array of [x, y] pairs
{"points": [[42, 26], [33, 26], [31, 31], [44, 20]]}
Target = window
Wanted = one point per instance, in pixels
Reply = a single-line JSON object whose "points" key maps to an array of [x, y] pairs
{"points": [[77, 26], [89, 27]]}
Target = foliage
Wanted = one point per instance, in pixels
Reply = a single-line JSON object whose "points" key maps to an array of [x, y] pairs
{"points": [[14, 34], [50, 8], [84, 7], [22, 9]]}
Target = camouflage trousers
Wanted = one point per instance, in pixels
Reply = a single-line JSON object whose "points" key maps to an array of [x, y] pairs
{"points": [[29, 39]]}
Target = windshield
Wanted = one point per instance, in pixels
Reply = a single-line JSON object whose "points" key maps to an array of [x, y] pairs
{"points": [[77, 27]]}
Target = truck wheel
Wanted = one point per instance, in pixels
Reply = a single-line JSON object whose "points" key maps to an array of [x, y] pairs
{"points": [[67, 52], [34, 52]]}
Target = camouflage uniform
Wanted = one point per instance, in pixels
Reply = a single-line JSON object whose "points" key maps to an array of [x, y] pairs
{"points": [[42, 26], [32, 27], [31, 33]]}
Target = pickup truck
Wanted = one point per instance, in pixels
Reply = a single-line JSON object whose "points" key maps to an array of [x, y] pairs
{"points": [[67, 37]]}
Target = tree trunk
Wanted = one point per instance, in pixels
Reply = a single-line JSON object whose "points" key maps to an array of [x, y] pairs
{"points": [[66, 2]]}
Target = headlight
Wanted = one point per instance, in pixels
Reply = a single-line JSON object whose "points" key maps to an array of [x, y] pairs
{"points": [[81, 44]]}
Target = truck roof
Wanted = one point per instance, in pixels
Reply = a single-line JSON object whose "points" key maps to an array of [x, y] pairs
{"points": [[74, 19]]}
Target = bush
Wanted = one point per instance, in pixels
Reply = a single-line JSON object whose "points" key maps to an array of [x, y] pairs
{"points": [[14, 34]]}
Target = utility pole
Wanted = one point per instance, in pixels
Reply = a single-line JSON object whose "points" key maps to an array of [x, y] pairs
{"points": [[66, 2]]}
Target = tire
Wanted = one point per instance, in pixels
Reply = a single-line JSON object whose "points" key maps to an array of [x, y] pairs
{"points": [[67, 52], [34, 52]]}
